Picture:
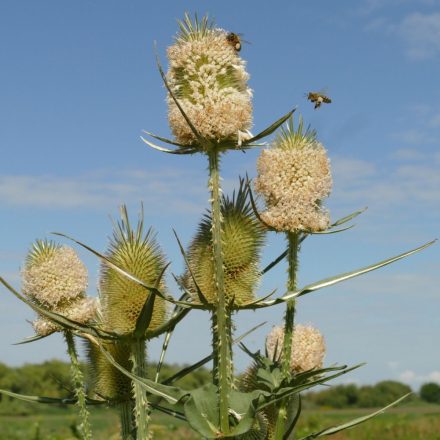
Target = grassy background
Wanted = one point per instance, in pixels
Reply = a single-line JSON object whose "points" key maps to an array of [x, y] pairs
{"points": [[414, 422]]}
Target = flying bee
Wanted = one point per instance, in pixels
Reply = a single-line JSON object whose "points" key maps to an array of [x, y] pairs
{"points": [[318, 98], [235, 40]]}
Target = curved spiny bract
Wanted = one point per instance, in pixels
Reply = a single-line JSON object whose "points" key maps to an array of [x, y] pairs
{"points": [[242, 239], [122, 299]]}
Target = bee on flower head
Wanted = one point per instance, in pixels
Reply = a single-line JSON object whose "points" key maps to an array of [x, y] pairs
{"points": [[235, 40], [318, 98]]}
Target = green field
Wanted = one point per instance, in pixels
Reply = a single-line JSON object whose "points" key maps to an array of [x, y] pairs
{"points": [[406, 423]]}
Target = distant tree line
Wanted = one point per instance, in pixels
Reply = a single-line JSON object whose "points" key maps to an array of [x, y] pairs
{"points": [[371, 396], [51, 379]]}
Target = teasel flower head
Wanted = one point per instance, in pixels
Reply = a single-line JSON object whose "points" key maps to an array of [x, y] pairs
{"points": [[243, 238], [105, 380], [53, 275], [122, 299], [81, 310], [308, 347], [208, 78], [294, 177], [55, 278]]}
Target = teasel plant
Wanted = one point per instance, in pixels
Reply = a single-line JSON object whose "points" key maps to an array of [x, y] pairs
{"points": [[210, 113], [55, 277]]}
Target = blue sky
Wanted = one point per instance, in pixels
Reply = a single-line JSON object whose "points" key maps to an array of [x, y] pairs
{"points": [[79, 83]]}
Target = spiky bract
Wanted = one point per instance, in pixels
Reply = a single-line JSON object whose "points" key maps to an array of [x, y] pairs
{"points": [[209, 79], [243, 238], [122, 299], [294, 177]]}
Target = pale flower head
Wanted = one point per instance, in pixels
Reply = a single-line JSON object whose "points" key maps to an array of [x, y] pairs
{"points": [[209, 79], [82, 310], [308, 347], [294, 177], [53, 274]]}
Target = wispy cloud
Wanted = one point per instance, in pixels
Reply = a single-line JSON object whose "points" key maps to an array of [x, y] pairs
{"points": [[419, 32], [410, 183], [103, 189], [413, 378]]}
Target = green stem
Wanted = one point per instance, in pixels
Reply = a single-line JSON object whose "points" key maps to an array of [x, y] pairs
{"points": [[126, 417], [141, 409], [289, 318], [78, 384], [222, 346]]}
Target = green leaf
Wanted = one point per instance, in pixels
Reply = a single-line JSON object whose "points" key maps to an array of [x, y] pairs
{"points": [[185, 371], [342, 277], [146, 313], [168, 411], [269, 130], [31, 339], [202, 412], [295, 389], [292, 425], [200, 294], [167, 150], [354, 422], [49, 400], [347, 218], [166, 340]]}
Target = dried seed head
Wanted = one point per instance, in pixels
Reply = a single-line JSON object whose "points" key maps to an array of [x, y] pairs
{"points": [[308, 347], [209, 79], [53, 275], [294, 177]]}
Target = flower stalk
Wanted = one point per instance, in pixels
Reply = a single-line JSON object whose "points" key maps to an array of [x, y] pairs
{"points": [[289, 321], [78, 383], [222, 344]]}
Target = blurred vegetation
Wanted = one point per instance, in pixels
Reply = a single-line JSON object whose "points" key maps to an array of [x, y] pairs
{"points": [[52, 379]]}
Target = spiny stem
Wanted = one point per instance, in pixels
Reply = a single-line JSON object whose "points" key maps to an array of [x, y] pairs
{"points": [[126, 417], [141, 410], [222, 346], [289, 318], [78, 383]]}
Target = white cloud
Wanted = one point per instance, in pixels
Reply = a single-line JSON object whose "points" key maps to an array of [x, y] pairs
{"points": [[421, 32], [413, 378], [105, 189], [407, 185]]}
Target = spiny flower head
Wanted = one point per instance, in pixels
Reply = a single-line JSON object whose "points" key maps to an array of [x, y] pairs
{"points": [[209, 79], [122, 299], [53, 275], [294, 177], [308, 347], [106, 380], [243, 238]]}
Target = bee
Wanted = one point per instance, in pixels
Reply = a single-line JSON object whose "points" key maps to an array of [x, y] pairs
{"points": [[234, 40], [318, 98]]}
